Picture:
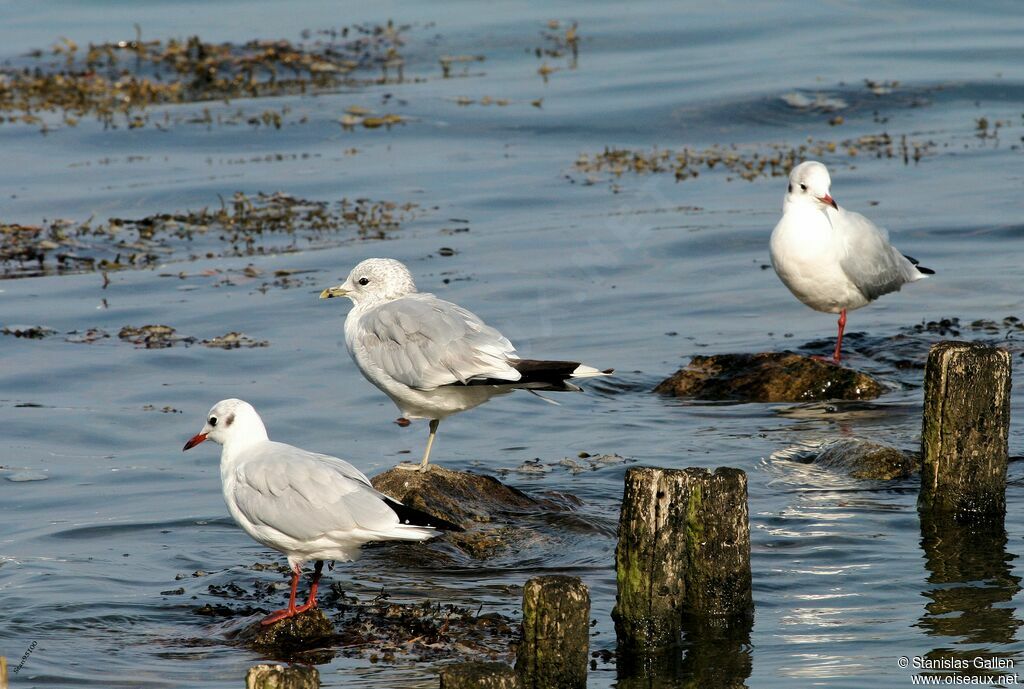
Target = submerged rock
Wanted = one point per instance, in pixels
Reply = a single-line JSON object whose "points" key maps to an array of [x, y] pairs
{"points": [[768, 377], [866, 459], [462, 497]]}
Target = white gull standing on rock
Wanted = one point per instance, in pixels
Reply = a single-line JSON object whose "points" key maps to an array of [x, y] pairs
{"points": [[434, 358], [830, 258], [306, 505]]}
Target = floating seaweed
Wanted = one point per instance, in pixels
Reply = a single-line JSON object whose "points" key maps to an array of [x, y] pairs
{"points": [[120, 82], [153, 336], [448, 61], [234, 340], [30, 332], [377, 627], [559, 43], [245, 226], [747, 162]]}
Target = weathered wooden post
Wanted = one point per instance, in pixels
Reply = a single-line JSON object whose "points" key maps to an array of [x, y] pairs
{"points": [[962, 504], [3, 672], [479, 675], [965, 431], [556, 634], [683, 556], [282, 677]]}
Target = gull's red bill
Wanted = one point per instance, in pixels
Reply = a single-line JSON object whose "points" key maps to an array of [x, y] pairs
{"points": [[829, 200], [195, 440]]}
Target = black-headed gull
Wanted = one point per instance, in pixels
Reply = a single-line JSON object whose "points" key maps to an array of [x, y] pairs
{"points": [[431, 357], [832, 259], [306, 505]]}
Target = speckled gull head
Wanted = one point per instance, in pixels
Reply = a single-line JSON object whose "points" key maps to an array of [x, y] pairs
{"points": [[230, 420], [373, 281], [809, 182]]}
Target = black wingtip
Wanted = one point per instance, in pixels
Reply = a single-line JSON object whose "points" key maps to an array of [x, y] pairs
{"points": [[921, 269], [414, 517]]}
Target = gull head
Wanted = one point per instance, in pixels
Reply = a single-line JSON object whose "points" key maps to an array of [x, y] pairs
{"points": [[373, 281], [230, 421], [809, 183]]}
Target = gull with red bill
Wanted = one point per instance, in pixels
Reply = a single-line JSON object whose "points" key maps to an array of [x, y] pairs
{"points": [[309, 506], [832, 259]]}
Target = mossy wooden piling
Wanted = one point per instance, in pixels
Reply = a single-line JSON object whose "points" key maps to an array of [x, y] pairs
{"points": [[683, 556], [282, 677], [3, 672], [556, 634], [964, 436], [479, 675]]}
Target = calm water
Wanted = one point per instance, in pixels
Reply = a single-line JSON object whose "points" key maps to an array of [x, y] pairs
{"points": [[636, 273]]}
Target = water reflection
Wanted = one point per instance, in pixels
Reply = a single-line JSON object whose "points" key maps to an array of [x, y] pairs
{"points": [[711, 655], [971, 588]]}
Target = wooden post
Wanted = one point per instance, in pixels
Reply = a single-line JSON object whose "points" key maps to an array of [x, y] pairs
{"points": [[282, 677], [556, 634], [479, 675], [965, 431], [683, 555], [3, 672]]}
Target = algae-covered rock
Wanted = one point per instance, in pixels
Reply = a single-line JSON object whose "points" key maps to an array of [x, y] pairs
{"points": [[866, 459], [461, 497], [281, 677], [768, 377], [307, 630]]}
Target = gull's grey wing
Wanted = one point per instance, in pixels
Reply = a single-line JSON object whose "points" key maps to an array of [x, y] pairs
{"points": [[305, 495], [425, 342], [870, 261]]}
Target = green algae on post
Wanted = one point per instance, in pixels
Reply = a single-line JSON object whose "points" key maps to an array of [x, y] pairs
{"points": [[682, 561], [964, 436], [556, 633]]}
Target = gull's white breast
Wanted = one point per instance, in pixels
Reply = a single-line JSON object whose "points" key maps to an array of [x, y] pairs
{"points": [[806, 253]]}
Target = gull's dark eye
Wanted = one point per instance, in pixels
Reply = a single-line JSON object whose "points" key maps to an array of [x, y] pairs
{"points": [[364, 281], [803, 187], [213, 421]]}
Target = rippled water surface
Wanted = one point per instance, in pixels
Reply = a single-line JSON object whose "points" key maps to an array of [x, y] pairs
{"points": [[635, 272]]}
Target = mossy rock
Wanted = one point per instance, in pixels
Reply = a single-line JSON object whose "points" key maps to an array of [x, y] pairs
{"points": [[768, 377], [306, 631], [865, 459], [462, 497]]}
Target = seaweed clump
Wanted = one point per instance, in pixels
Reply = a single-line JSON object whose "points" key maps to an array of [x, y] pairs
{"points": [[119, 82], [247, 226], [747, 162]]}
